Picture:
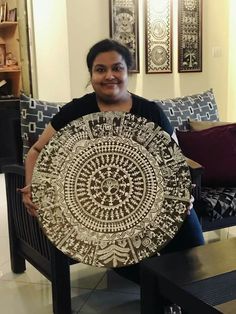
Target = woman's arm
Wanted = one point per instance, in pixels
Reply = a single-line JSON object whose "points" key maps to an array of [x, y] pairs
{"points": [[30, 161]]}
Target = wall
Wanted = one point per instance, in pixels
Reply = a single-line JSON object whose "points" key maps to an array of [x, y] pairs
{"points": [[88, 21], [216, 49], [231, 109], [51, 49]]}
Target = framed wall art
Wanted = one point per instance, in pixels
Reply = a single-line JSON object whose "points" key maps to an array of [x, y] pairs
{"points": [[124, 26], [3, 12], [190, 36], [158, 26]]}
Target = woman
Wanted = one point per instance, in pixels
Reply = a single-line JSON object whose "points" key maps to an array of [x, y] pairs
{"points": [[108, 63]]}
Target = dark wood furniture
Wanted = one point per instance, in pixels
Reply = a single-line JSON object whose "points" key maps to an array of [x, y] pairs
{"points": [[27, 242], [200, 280], [10, 139]]}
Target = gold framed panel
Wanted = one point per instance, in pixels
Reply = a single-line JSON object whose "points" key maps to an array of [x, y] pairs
{"points": [[158, 27], [124, 27], [190, 36]]}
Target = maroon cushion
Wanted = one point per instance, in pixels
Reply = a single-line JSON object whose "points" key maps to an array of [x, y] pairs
{"points": [[215, 150]]}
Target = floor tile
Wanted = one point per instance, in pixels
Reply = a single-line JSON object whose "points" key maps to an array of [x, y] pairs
{"points": [[3, 207], [5, 253], [113, 282], [23, 298], [107, 302], [31, 275], [232, 232], [85, 276], [79, 297]]}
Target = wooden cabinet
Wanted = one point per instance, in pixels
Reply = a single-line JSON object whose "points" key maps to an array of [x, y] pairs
{"points": [[10, 68]]}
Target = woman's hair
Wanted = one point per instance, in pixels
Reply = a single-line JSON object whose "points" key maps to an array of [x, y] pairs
{"points": [[105, 46]]}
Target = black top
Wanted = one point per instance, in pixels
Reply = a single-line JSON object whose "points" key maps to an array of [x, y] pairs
{"points": [[79, 107]]}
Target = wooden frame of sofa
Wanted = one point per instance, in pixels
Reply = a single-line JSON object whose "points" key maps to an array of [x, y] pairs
{"points": [[27, 242]]}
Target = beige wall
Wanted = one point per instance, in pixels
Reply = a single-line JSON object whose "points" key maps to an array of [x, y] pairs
{"points": [[216, 49], [231, 108], [51, 49], [88, 21]]}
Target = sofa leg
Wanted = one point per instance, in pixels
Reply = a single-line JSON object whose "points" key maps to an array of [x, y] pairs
{"points": [[60, 279], [17, 262]]}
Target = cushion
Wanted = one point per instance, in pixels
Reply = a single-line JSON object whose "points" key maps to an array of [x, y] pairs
{"points": [[215, 150], [203, 125], [196, 107], [218, 202], [35, 115]]}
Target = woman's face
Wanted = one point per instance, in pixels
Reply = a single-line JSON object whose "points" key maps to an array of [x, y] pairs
{"points": [[109, 77]]}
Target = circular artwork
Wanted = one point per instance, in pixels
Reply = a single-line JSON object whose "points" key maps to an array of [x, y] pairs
{"points": [[190, 4], [159, 55], [159, 29], [112, 189]]}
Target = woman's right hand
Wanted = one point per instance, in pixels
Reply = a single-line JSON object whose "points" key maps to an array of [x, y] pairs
{"points": [[27, 200]]}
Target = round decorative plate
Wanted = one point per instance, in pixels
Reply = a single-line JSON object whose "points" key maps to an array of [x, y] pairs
{"points": [[112, 189]]}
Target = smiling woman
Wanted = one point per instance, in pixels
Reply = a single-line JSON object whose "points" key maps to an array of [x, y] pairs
{"points": [[108, 63], [109, 80]]}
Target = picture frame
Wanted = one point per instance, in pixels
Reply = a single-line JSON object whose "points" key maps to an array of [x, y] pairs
{"points": [[189, 36], [12, 15], [124, 27], [3, 12], [158, 31], [2, 55]]}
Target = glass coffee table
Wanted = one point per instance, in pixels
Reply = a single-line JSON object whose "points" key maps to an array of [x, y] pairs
{"points": [[200, 280]]}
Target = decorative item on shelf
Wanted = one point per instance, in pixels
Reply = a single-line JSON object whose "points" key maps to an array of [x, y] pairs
{"points": [[3, 12], [158, 36], [12, 15], [2, 55], [124, 26], [11, 59], [190, 36]]}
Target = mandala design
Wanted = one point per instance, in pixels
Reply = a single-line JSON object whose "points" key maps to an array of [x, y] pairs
{"points": [[190, 4], [112, 189], [159, 55], [159, 36], [159, 29]]}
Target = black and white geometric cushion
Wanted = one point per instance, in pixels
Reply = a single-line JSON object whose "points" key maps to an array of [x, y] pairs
{"points": [[219, 202], [180, 110], [35, 115]]}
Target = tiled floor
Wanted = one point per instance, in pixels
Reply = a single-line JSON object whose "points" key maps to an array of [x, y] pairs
{"points": [[94, 290]]}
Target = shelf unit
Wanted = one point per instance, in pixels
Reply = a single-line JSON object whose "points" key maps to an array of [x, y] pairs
{"points": [[9, 37]]}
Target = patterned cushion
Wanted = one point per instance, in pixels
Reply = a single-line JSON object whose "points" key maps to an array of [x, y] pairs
{"points": [[218, 203], [35, 115], [200, 107]]}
